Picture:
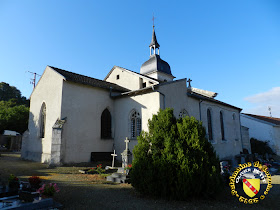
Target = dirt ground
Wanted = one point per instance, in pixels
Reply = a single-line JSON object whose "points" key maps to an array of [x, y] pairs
{"points": [[80, 191]]}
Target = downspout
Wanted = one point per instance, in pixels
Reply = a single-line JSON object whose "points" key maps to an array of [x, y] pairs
{"points": [[200, 101], [153, 88], [241, 133]]}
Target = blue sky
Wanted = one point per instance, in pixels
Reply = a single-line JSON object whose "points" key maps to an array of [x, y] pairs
{"points": [[229, 47]]}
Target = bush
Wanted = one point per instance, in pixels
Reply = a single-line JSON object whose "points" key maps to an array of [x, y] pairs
{"points": [[260, 147], [174, 160]]}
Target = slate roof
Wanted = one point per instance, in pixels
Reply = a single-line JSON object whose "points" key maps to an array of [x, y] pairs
{"points": [[202, 97], [273, 120], [81, 79], [155, 63], [154, 40]]}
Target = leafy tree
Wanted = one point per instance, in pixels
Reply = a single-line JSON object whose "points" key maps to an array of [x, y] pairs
{"points": [[174, 160], [13, 117], [14, 109], [260, 147], [8, 92]]}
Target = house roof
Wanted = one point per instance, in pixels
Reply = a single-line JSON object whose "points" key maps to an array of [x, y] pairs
{"points": [[202, 97], [81, 79], [272, 120]]}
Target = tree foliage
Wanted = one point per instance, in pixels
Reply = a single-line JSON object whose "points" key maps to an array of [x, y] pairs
{"points": [[14, 109], [174, 159], [260, 147]]}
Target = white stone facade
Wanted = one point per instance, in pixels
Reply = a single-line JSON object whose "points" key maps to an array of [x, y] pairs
{"points": [[263, 131], [81, 107]]}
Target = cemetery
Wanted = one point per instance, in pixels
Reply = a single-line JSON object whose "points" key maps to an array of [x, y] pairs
{"points": [[86, 185]]}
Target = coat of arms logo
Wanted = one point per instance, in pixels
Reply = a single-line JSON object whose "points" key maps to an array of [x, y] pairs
{"points": [[250, 182]]}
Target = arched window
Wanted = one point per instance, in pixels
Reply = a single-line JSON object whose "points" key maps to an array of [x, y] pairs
{"points": [[222, 125], [135, 124], [106, 124], [183, 113], [209, 121], [43, 116]]}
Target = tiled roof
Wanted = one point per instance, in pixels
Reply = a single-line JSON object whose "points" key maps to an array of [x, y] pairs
{"points": [[81, 79], [273, 120]]}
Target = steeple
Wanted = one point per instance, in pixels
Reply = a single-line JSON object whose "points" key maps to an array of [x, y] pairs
{"points": [[155, 67], [154, 44]]}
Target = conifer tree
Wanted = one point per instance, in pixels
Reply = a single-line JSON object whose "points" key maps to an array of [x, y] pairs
{"points": [[174, 159]]}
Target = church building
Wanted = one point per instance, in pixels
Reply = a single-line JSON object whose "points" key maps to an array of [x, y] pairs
{"points": [[72, 115]]}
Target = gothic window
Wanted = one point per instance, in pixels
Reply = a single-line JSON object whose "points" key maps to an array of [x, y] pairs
{"points": [[135, 124], [222, 125], [43, 120], [106, 125], [210, 127], [183, 113]]}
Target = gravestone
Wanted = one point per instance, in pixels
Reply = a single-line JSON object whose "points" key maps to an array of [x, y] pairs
{"points": [[121, 176], [126, 154]]}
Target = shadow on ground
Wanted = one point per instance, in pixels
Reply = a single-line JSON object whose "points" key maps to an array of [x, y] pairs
{"points": [[80, 191]]}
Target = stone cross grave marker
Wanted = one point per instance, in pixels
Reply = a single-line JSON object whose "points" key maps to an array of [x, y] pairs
{"points": [[126, 143], [126, 154], [113, 161]]}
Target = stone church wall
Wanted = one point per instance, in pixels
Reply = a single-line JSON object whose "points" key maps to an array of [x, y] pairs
{"points": [[126, 79], [83, 106], [48, 91], [146, 104], [176, 98], [232, 144]]}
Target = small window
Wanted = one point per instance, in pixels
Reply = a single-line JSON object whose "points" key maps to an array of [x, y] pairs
{"points": [[209, 121], [118, 76], [144, 84], [183, 113]]}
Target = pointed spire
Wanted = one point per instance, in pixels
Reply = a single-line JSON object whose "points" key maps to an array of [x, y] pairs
{"points": [[154, 42]]}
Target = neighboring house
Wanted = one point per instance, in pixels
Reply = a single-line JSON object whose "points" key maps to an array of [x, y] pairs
{"points": [[10, 140], [72, 115], [264, 129]]}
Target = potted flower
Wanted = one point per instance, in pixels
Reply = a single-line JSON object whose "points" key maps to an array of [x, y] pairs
{"points": [[13, 181], [127, 168], [48, 190], [34, 182]]}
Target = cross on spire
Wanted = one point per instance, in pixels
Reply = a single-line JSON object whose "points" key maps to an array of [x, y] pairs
{"points": [[153, 20]]}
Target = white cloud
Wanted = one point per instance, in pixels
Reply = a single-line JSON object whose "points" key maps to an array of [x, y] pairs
{"points": [[262, 101]]}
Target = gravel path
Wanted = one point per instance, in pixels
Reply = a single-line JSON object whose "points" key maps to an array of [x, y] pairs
{"points": [[80, 191]]}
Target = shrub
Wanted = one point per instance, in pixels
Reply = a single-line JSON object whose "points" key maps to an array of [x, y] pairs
{"points": [[260, 147], [174, 160]]}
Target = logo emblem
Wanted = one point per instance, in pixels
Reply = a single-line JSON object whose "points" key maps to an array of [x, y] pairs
{"points": [[251, 187], [250, 182]]}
